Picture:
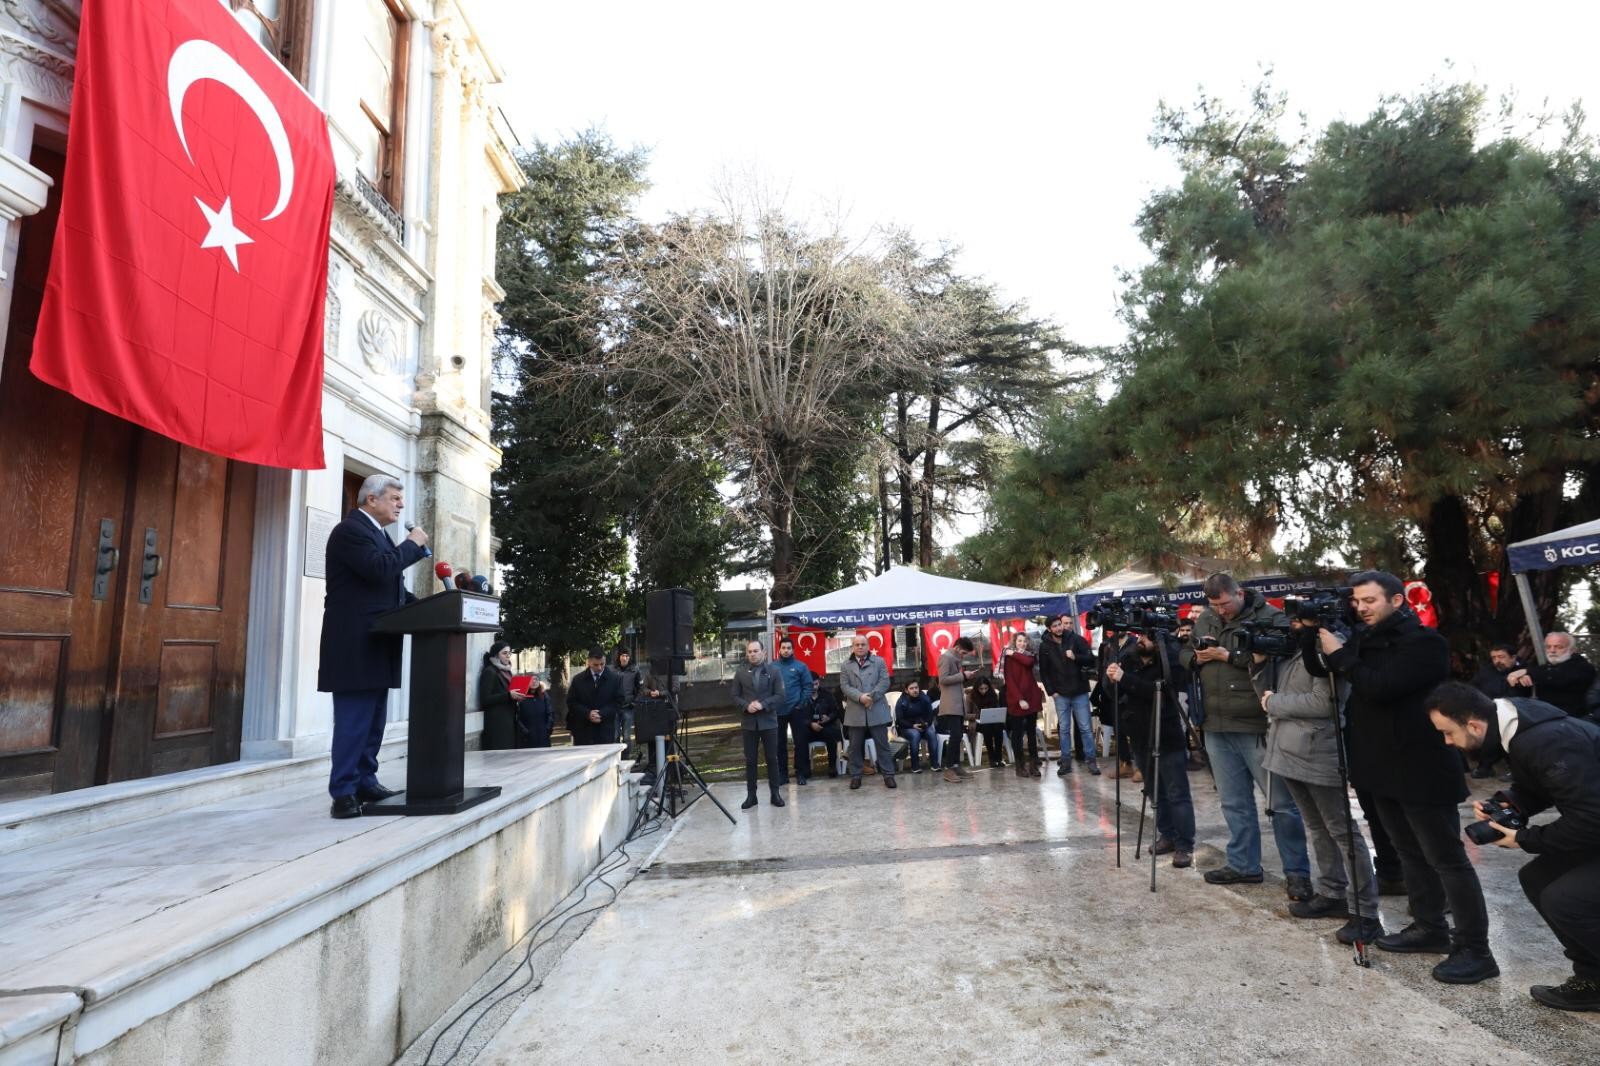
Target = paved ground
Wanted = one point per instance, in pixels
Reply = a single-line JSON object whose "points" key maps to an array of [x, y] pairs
{"points": [[987, 921]]}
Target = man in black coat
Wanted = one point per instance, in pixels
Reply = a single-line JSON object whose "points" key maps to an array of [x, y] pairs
{"points": [[365, 578], [1491, 681], [1136, 674], [1066, 663], [1563, 681], [1555, 761], [594, 699], [1398, 757]]}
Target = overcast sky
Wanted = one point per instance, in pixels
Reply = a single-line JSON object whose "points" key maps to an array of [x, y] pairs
{"points": [[1014, 130]]}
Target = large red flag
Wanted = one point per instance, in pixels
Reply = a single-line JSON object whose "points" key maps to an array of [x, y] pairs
{"points": [[1001, 630], [880, 641], [191, 261], [937, 638], [810, 647]]}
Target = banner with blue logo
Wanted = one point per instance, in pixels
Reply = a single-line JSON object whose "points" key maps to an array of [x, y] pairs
{"points": [[1574, 546]]}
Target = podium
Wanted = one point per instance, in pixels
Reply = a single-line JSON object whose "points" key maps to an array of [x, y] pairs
{"points": [[436, 731]]}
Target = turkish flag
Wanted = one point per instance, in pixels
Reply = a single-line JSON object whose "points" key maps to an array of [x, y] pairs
{"points": [[1420, 597], [1001, 630], [810, 647], [190, 264], [880, 641], [938, 638]]}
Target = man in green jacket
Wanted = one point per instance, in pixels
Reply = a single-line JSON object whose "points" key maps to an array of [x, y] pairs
{"points": [[1236, 734]]}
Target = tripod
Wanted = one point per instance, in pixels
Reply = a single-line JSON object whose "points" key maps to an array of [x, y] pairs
{"points": [[1153, 796], [673, 762], [1361, 958]]}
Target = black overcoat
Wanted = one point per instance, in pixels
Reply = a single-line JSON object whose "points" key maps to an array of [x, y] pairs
{"points": [[365, 578], [583, 695]]}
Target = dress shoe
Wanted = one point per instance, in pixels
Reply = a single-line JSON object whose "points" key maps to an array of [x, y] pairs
{"points": [[346, 807], [1182, 860], [1094, 768], [776, 800], [1299, 887], [963, 773], [1064, 769], [1020, 767], [1319, 907], [888, 781], [1164, 847], [1033, 768], [1227, 875], [749, 801], [1365, 929], [855, 782], [1415, 940], [375, 793], [1572, 994], [951, 775], [1466, 966]]}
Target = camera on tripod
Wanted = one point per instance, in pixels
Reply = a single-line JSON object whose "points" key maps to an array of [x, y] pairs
{"points": [[1117, 615], [1325, 608], [1501, 811], [1275, 639]]}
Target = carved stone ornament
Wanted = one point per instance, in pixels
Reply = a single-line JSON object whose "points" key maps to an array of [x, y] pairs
{"points": [[333, 307], [379, 342], [54, 23]]}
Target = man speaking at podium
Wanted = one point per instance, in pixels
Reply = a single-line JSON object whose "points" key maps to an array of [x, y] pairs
{"points": [[365, 578]]}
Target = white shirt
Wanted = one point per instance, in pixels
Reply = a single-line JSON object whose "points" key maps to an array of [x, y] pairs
{"points": [[1509, 721]]}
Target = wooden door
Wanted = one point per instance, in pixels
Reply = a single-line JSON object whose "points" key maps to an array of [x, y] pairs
{"points": [[107, 673]]}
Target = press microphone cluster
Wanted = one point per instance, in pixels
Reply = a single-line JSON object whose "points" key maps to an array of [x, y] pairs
{"points": [[442, 571]]}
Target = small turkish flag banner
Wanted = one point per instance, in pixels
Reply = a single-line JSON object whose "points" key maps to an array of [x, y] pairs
{"points": [[1001, 630], [190, 265], [810, 647], [880, 641], [938, 638]]}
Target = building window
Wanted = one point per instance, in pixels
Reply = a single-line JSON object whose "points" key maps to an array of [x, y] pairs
{"points": [[283, 27], [382, 62]]}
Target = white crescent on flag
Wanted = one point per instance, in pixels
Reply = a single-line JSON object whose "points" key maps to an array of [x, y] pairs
{"points": [[803, 638], [948, 637], [873, 635]]}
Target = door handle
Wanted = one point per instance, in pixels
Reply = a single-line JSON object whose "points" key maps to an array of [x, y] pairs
{"points": [[149, 567], [106, 559]]}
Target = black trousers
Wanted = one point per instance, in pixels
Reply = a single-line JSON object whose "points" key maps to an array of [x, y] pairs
{"points": [[1434, 858], [992, 732], [1564, 887], [762, 738], [954, 727], [801, 734], [1024, 727], [783, 748], [1385, 860]]}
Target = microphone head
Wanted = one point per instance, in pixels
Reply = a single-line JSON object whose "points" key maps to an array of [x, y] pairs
{"points": [[410, 526], [464, 581], [481, 583], [442, 571]]}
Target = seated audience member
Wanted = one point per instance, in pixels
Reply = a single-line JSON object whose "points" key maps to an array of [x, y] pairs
{"points": [[826, 714], [913, 720], [990, 707]]}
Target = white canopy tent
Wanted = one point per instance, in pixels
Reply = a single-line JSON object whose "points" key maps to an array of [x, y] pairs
{"points": [[905, 595], [1577, 545]]}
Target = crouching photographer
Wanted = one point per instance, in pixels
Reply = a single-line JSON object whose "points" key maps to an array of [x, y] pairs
{"points": [[1136, 674], [1555, 762]]}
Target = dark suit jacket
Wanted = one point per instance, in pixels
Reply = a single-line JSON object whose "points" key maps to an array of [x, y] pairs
{"points": [[583, 695], [366, 577]]}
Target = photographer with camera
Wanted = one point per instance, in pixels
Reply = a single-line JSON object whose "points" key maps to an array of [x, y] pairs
{"points": [[1555, 762], [1236, 731], [1303, 739], [1416, 781], [1136, 673]]}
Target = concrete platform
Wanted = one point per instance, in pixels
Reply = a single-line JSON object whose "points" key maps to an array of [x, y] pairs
{"points": [[987, 922], [254, 928]]}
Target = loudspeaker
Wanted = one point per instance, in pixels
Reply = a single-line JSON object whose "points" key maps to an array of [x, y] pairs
{"points": [[669, 628], [654, 718]]}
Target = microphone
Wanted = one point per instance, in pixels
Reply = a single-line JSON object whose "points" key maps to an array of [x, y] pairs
{"points": [[481, 583], [427, 552], [442, 571], [464, 582]]}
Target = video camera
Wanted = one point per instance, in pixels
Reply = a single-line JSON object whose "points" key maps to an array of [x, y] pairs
{"points": [[1325, 608], [1276, 639], [1501, 811], [1117, 615]]}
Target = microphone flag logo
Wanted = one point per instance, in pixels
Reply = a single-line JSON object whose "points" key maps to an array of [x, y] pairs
{"points": [[189, 270]]}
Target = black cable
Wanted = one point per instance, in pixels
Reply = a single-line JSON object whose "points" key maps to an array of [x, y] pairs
{"points": [[639, 830]]}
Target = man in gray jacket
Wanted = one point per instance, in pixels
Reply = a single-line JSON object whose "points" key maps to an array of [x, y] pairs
{"points": [[758, 693], [864, 681], [1303, 741], [1236, 740]]}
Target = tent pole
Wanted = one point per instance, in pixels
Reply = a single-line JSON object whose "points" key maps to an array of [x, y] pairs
{"points": [[1531, 614]]}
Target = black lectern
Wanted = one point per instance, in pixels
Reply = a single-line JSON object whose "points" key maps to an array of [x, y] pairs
{"points": [[436, 732]]}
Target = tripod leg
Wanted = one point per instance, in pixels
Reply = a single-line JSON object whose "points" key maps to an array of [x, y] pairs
{"points": [[1116, 764], [1138, 839], [1155, 773], [688, 764], [1361, 958]]}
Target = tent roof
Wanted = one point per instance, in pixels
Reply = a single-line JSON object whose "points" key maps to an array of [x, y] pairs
{"points": [[1577, 545], [905, 595], [1143, 581]]}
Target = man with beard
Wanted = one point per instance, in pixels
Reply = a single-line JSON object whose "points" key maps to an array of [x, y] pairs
{"points": [[1065, 661], [1562, 681], [1415, 780], [1491, 681]]}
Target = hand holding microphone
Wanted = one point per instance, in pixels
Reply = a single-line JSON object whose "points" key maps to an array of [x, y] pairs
{"points": [[419, 537]]}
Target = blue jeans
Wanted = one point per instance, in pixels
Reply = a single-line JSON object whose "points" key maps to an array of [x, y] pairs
{"points": [[358, 721], [1236, 765], [1075, 708], [916, 736], [1174, 807]]}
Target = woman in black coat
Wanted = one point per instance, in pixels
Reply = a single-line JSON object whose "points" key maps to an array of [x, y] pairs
{"points": [[496, 700]]}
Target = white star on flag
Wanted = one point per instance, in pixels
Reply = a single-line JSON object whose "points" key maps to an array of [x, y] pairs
{"points": [[223, 233]]}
